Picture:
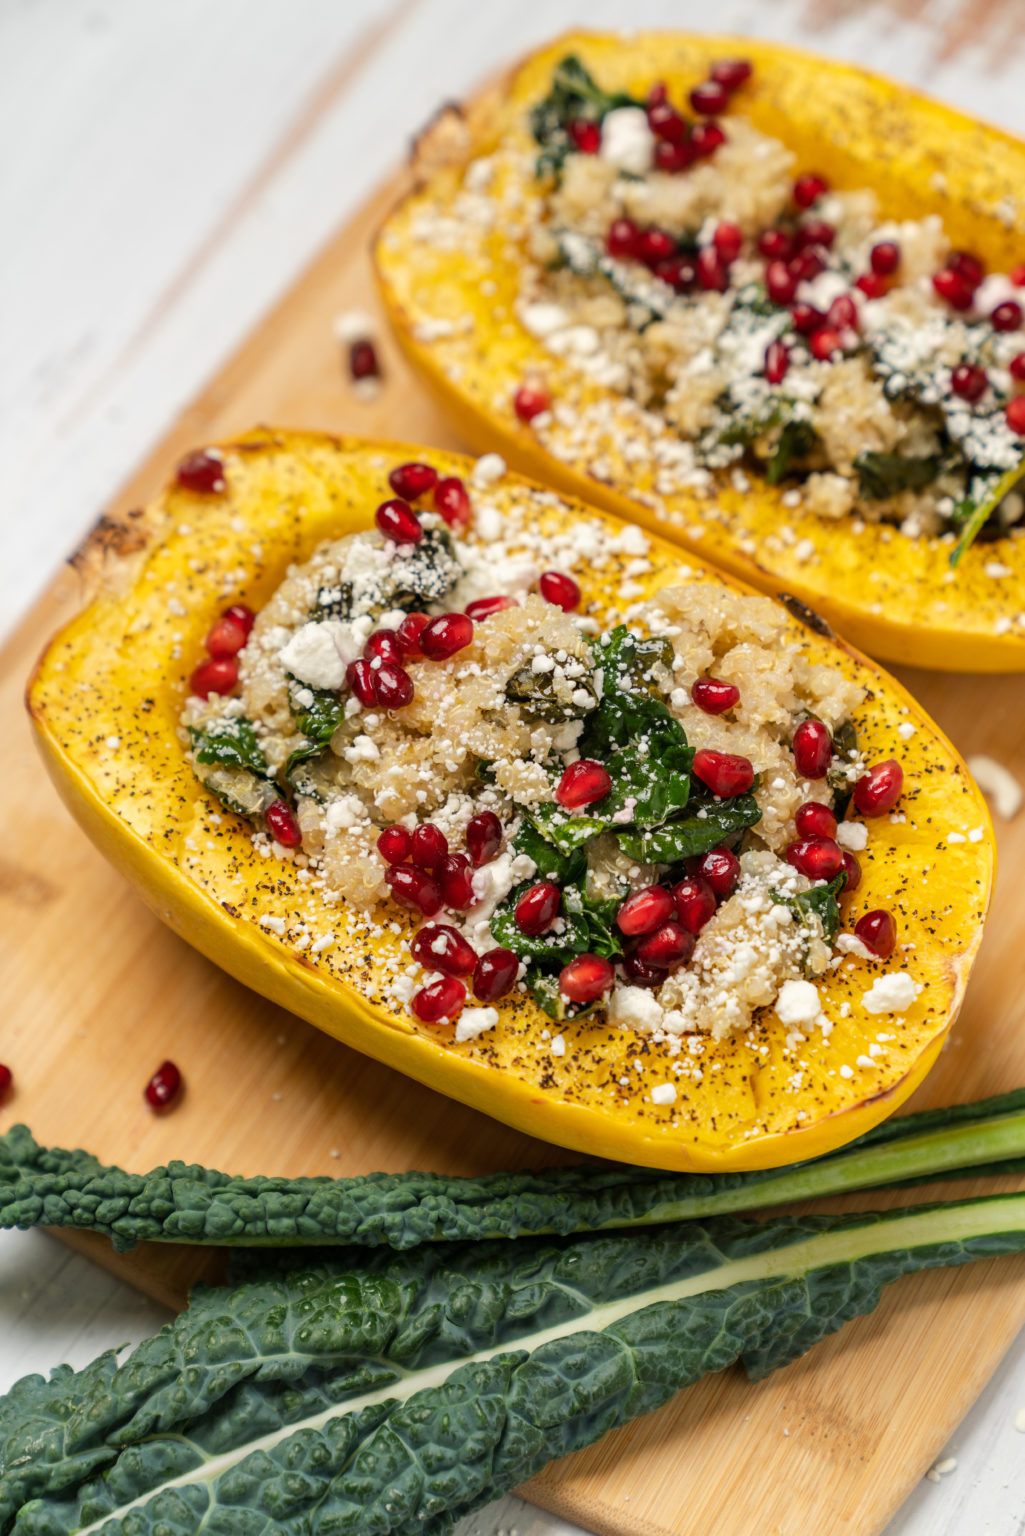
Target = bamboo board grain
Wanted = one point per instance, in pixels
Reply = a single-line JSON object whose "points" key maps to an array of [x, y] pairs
{"points": [[96, 992]]}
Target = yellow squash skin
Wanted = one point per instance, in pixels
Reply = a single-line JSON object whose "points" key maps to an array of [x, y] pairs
{"points": [[450, 301], [106, 699]]}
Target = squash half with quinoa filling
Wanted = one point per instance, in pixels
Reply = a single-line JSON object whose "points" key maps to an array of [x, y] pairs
{"points": [[770, 305], [491, 786]]}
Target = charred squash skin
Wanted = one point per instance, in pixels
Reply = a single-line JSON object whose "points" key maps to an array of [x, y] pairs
{"points": [[106, 698], [893, 596]]}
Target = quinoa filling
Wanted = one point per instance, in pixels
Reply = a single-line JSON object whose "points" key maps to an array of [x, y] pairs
{"points": [[776, 324], [646, 816]]}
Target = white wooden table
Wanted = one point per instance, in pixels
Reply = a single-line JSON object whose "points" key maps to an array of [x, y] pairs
{"points": [[165, 171]]}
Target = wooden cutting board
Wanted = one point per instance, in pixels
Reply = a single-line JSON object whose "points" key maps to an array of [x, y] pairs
{"points": [[96, 993]]}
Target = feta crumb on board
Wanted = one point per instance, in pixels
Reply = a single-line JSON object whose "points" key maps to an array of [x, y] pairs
{"points": [[999, 783]]}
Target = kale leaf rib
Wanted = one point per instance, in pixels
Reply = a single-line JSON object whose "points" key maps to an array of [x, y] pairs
{"points": [[189, 1204], [400, 1396]]}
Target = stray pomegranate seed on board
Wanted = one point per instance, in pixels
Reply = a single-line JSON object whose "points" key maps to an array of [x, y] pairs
{"points": [[164, 1086]]}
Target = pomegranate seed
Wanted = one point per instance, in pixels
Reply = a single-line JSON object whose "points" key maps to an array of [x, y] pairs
{"points": [[815, 232], [586, 136], [714, 696], [872, 284], [360, 677], [884, 257], [408, 635], [363, 362], [439, 1002], [531, 400], [777, 361], [806, 318], [1017, 276], [383, 644], [586, 978], [967, 265], [657, 93], [582, 783], [412, 480], [808, 188], [1014, 415], [843, 313], [852, 869], [813, 819], [731, 72], [667, 946], [679, 272], [820, 858], [559, 590], [878, 932], [456, 880], [728, 240], [414, 888], [442, 637], [538, 907], [666, 123], [953, 289], [808, 263], [397, 521], [672, 158], [709, 98], [483, 607], [623, 239], [640, 973], [705, 139], [712, 274], [393, 686], [452, 501], [878, 790], [495, 975], [721, 868], [725, 773], [395, 844], [6, 1079], [655, 245], [969, 381], [164, 1086], [226, 638], [695, 902], [483, 838], [201, 472], [825, 344], [780, 282], [238, 613], [429, 847], [645, 910], [1006, 316], [813, 749], [440, 947], [218, 676], [776, 244], [282, 824], [1016, 366]]}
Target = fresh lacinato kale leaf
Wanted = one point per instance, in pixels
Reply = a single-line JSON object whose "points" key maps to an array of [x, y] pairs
{"points": [[691, 835], [563, 868], [973, 512], [819, 901], [796, 441], [574, 96], [230, 743], [881, 475], [400, 1392], [183, 1203]]}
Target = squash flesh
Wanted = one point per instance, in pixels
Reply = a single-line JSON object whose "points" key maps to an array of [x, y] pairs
{"points": [[107, 698], [889, 594]]}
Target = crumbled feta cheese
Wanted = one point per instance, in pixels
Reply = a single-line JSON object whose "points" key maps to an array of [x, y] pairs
{"points": [[474, 1021], [663, 1093], [999, 783], [635, 1006], [558, 1046], [626, 140], [852, 835], [314, 655], [891, 993], [798, 1003], [488, 468]]}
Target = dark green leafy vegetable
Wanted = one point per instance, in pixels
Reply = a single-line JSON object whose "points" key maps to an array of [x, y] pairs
{"points": [[398, 1392], [564, 869], [317, 722], [586, 928], [544, 989], [230, 743], [574, 95], [796, 441], [881, 475], [820, 901], [985, 493], [538, 699], [691, 835], [183, 1203]]}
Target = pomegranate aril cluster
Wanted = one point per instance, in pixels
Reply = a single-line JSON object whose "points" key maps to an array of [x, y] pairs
{"points": [[224, 640]]}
